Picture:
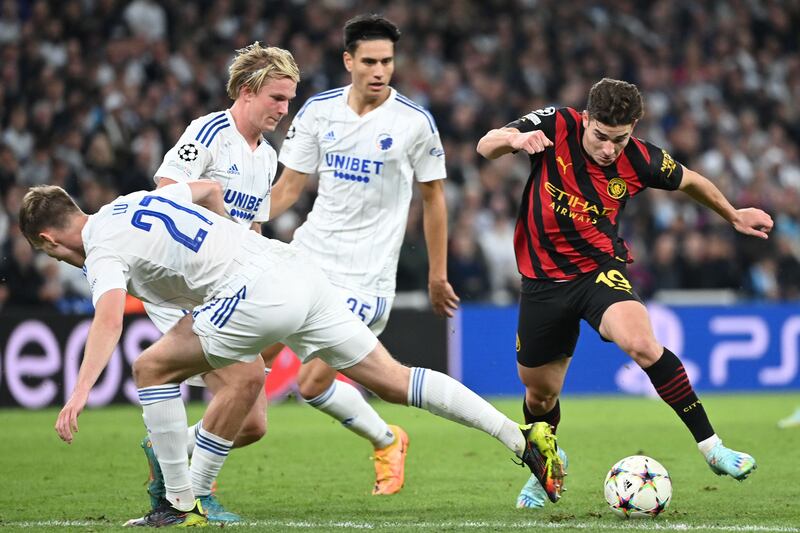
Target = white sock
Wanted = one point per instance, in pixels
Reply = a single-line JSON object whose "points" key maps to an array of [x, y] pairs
{"points": [[210, 453], [345, 403], [443, 396], [191, 436], [705, 446], [165, 419]]}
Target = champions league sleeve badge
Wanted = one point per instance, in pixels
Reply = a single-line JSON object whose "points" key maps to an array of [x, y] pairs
{"points": [[188, 152]]}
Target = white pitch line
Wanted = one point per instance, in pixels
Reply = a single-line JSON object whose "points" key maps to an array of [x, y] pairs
{"points": [[538, 524]]}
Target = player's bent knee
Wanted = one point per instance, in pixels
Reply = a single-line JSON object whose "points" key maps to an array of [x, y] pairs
{"points": [[642, 350], [251, 432], [314, 379], [143, 372], [540, 401], [312, 388]]}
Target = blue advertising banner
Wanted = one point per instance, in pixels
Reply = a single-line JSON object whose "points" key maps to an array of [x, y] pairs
{"points": [[724, 348]]}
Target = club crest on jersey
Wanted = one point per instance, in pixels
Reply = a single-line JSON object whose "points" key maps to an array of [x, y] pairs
{"points": [[384, 141], [616, 188]]}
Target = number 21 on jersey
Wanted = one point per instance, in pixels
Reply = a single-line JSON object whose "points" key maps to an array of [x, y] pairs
{"points": [[170, 213]]}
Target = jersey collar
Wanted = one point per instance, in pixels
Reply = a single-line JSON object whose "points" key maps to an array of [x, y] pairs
{"points": [[346, 95], [261, 140]]}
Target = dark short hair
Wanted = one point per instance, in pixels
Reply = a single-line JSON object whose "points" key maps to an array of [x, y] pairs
{"points": [[46, 206], [615, 102], [368, 28]]}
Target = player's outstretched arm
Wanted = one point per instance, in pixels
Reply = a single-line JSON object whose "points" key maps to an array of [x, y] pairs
{"points": [[506, 140], [103, 336], [749, 221], [434, 219], [208, 193], [286, 191]]}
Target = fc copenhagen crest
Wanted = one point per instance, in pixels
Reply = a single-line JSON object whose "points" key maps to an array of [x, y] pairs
{"points": [[616, 188], [384, 141]]}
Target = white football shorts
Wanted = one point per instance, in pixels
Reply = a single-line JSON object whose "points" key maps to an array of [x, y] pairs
{"points": [[371, 310], [286, 299]]}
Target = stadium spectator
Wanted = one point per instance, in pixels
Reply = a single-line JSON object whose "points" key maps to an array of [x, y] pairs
{"points": [[720, 81]]}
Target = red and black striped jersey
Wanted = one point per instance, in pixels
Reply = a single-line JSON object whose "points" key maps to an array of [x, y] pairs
{"points": [[569, 213]]}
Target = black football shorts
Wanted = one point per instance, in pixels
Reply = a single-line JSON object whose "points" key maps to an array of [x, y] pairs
{"points": [[550, 312]]}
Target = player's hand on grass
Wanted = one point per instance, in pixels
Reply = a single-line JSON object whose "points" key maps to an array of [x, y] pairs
{"points": [[532, 142], [752, 221], [443, 298], [67, 422]]}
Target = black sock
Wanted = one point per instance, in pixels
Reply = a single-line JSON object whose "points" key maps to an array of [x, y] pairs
{"points": [[671, 382], [552, 417]]}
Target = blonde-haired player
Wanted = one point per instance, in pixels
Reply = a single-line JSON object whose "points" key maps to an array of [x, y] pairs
{"points": [[228, 147]]}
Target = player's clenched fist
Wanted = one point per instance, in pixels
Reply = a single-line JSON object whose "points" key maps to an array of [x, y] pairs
{"points": [[532, 142]]}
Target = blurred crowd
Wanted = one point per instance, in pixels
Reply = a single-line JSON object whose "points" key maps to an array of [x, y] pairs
{"points": [[93, 92]]}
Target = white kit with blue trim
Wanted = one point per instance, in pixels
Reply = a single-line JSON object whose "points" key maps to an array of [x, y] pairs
{"points": [[366, 165], [212, 148]]}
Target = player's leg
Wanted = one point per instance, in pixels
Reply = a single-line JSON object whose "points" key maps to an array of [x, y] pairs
{"points": [[342, 401], [346, 344], [543, 386], [241, 378], [435, 392], [547, 333], [236, 416], [225, 381], [157, 374], [319, 388], [627, 324]]}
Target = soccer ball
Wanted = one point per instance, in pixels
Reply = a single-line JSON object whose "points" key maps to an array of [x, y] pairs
{"points": [[638, 486]]}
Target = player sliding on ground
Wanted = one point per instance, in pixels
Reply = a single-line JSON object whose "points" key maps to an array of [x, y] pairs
{"points": [[245, 292], [584, 168]]}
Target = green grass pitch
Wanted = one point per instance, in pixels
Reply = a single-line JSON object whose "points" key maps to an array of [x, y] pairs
{"points": [[309, 474]]}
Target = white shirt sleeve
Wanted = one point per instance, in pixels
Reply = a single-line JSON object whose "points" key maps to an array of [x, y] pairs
{"points": [[427, 158], [105, 271], [178, 191], [300, 150], [186, 161]]}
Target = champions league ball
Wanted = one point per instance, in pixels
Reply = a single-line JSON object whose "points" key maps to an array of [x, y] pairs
{"points": [[638, 486]]}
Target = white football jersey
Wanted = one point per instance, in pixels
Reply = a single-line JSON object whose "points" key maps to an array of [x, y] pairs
{"points": [[366, 168], [165, 250], [212, 148]]}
